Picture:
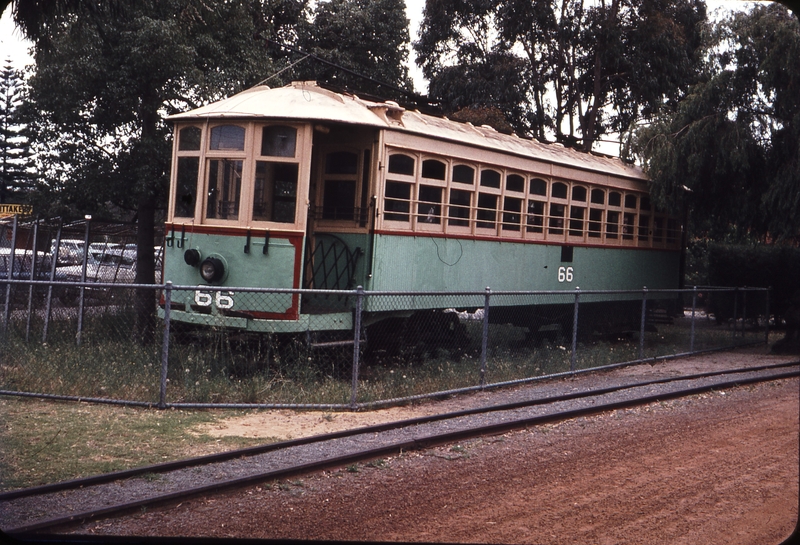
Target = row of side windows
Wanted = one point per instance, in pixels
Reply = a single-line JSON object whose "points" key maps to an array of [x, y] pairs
{"points": [[423, 196]]}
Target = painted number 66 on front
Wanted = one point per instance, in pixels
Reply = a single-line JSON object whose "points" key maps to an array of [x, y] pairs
{"points": [[222, 299], [565, 274]]}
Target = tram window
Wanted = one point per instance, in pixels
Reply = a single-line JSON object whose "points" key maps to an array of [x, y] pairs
{"points": [[598, 196], [630, 201], [614, 199], [429, 208], [490, 178], [224, 189], [628, 221], [512, 212], [559, 191], [612, 224], [186, 182], [227, 137], [337, 203], [278, 141], [275, 192], [401, 164], [579, 193], [341, 162], [189, 139], [658, 229], [576, 214], [396, 204], [487, 210], [535, 217], [515, 182], [595, 222], [463, 174], [557, 218], [644, 227], [433, 169], [538, 187], [458, 211]]}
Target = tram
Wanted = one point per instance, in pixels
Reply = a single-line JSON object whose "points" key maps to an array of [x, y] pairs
{"points": [[304, 187]]}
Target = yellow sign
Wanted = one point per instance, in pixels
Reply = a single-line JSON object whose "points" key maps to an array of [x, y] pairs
{"points": [[7, 210]]}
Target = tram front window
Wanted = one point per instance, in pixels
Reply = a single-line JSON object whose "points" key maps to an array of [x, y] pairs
{"points": [[275, 192], [186, 181], [224, 189]]}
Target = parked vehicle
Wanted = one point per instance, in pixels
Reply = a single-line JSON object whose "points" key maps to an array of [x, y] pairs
{"points": [[70, 251]]}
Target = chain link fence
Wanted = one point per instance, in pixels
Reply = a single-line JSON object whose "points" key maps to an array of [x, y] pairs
{"points": [[195, 346]]}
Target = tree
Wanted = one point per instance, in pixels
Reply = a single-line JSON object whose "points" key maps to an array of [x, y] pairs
{"points": [[16, 176], [368, 37], [105, 76], [589, 68], [734, 140]]}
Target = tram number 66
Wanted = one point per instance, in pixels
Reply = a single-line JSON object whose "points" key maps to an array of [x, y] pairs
{"points": [[565, 274], [222, 299]]}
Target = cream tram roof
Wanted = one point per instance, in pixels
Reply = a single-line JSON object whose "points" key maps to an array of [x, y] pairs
{"points": [[308, 101]]}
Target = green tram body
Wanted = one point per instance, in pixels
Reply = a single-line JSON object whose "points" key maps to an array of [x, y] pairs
{"points": [[301, 187]]}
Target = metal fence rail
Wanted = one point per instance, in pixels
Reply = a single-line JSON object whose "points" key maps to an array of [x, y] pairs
{"points": [[88, 341]]}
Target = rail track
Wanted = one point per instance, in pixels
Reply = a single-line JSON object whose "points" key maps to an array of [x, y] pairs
{"points": [[44, 508]]}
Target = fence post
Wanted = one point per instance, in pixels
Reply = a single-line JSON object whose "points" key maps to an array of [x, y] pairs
{"points": [[766, 326], [735, 309], [162, 396], [83, 280], [573, 355], [694, 306], [53, 265], [642, 323], [744, 310], [33, 272], [12, 257], [485, 335], [356, 345]]}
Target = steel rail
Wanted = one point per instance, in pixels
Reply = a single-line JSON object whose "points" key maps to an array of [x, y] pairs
{"points": [[367, 454], [376, 428]]}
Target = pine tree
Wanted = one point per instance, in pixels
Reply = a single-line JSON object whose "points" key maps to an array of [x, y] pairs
{"points": [[15, 154]]}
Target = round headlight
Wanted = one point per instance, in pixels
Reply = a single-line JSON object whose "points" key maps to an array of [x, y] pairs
{"points": [[192, 257], [212, 269]]}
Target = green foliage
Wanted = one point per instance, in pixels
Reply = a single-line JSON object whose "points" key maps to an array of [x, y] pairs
{"points": [[565, 68], [734, 140], [369, 37], [15, 154], [762, 266]]}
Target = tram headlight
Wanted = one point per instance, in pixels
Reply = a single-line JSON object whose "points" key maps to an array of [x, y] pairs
{"points": [[192, 257], [212, 269]]}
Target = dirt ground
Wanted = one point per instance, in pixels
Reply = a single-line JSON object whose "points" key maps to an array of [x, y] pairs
{"points": [[713, 468]]}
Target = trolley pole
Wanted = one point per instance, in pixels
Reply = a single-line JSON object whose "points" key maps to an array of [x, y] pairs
{"points": [[356, 345], [162, 396]]}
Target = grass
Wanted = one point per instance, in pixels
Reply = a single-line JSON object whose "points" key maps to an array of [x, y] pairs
{"points": [[45, 441], [216, 366]]}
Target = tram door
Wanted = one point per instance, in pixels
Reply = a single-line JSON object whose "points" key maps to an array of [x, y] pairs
{"points": [[339, 214]]}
